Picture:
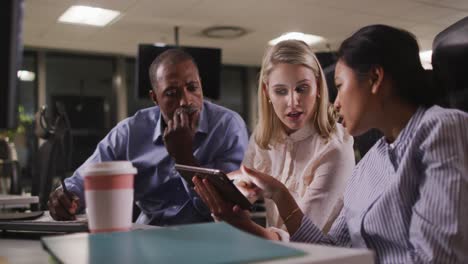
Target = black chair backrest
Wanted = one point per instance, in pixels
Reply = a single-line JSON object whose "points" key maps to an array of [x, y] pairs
{"points": [[450, 64], [54, 154]]}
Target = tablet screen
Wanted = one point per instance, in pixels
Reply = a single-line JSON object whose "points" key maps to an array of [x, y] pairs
{"points": [[220, 181]]}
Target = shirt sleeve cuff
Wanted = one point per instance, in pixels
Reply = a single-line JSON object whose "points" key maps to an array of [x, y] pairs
{"points": [[307, 232], [283, 235]]}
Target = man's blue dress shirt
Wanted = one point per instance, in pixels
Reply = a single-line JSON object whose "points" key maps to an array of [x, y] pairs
{"points": [[162, 195]]}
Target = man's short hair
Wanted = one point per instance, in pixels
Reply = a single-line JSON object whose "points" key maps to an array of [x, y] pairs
{"points": [[169, 57]]}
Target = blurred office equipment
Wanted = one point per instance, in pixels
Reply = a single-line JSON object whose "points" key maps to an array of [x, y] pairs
{"points": [[54, 157], [208, 61], [41, 221], [13, 207], [9, 168], [11, 49], [450, 64]]}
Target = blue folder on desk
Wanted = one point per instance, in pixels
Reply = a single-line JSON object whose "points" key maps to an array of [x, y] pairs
{"points": [[197, 243]]}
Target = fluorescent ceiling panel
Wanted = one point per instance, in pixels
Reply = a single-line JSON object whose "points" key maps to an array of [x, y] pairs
{"points": [[86, 15], [426, 59], [307, 38]]}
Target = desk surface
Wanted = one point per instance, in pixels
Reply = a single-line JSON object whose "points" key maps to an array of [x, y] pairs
{"points": [[25, 251], [22, 251]]}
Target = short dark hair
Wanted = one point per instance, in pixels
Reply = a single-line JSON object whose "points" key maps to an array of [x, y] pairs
{"points": [[171, 57], [397, 52]]}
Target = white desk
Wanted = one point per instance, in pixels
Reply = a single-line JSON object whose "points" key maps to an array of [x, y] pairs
{"points": [[26, 248], [317, 254], [23, 251]]}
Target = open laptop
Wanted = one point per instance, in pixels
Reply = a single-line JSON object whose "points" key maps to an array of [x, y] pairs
{"points": [[38, 221], [45, 223]]}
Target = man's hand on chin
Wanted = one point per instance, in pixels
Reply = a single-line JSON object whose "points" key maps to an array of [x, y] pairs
{"points": [[179, 134]]}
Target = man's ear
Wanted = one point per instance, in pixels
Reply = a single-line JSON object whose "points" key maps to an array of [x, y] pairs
{"points": [[153, 97], [376, 77]]}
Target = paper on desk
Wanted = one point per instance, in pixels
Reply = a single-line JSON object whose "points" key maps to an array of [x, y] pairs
{"points": [[81, 218], [12, 201]]}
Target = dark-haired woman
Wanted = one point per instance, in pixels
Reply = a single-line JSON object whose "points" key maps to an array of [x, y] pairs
{"points": [[405, 198]]}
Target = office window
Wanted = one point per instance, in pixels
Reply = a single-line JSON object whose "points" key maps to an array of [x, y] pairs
{"points": [[133, 102], [233, 84], [83, 83], [27, 86], [24, 139]]}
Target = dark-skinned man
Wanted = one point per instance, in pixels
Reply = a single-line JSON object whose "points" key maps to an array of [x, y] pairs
{"points": [[182, 128]]}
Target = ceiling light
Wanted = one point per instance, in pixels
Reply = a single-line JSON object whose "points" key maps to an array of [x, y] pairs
{"points": [[159, 44], [307, 38], [26, 76], [224, 32], [426, 59], [93, 16]]}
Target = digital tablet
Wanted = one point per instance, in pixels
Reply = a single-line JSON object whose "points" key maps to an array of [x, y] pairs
{"points": [[220, 181]]}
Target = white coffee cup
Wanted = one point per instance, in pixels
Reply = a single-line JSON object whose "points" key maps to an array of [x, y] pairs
{"points": [[109, 195]]}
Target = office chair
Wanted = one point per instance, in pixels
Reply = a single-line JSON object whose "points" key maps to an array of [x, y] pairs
{"points": [[450, 64], [54, 155]]}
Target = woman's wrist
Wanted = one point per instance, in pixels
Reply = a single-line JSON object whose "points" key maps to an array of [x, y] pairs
{"points": [[257, 230], [271, 235], [281, 194], [264, 232]]}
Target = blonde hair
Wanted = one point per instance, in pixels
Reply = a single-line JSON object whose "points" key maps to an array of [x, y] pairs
{"points": [[269, 127]]}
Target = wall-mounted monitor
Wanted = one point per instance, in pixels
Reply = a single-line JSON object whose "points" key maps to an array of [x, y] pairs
{"points": [[328, 62], [208, 61], [11, 50]]}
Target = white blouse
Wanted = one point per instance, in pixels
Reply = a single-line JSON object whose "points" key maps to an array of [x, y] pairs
{"points": [[315, 171]]}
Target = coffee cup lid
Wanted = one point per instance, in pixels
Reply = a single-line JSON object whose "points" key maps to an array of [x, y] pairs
{"points": [[109, 168]]}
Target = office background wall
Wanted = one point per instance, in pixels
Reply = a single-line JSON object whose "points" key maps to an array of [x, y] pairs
{"points": [[234, 86], [98, 91]]}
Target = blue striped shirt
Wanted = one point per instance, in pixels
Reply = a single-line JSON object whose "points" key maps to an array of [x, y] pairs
{"points": [[405, 200]]}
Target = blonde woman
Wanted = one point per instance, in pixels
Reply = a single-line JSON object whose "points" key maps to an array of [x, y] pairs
{"points": [[297, 141]]}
